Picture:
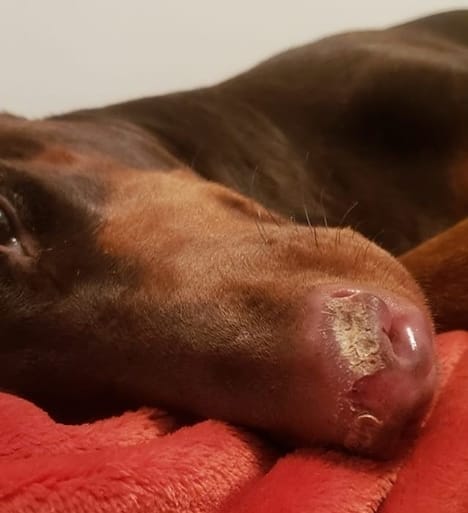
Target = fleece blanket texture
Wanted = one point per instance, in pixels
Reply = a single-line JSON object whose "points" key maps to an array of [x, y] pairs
{"points": [[145, 461]]}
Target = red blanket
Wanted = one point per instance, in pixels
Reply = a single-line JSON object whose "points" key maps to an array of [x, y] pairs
{"points": [[144, 462]]}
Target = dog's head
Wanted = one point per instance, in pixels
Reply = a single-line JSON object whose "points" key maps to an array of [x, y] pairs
{"points": [[127, 286]]}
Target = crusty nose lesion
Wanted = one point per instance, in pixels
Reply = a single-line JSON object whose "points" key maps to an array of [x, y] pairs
{"points": [[378, 363], [352, 323]]}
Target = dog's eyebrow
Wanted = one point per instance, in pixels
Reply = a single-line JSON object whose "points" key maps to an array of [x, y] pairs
{"points": [[44, 200], [16, 184], [74, 185]]}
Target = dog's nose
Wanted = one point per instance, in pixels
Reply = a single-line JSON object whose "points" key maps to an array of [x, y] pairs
{"points": [[377, 349]]}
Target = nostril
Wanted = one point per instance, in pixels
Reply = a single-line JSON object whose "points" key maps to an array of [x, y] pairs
{"points": [[403, 341], [411, 340], [343, 293]]}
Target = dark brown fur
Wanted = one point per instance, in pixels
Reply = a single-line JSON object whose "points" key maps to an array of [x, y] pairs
{"points": [[142, 270]]}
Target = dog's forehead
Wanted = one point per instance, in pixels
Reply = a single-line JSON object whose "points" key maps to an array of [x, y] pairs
{"points": [[31, 142], [17, 141], [42, 140]]}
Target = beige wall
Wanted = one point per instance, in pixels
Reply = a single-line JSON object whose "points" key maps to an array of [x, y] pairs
{"points": [[57, 55]]}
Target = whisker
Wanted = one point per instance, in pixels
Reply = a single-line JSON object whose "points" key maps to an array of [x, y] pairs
{"points": [[252, 182], [356, 228], [322, 206], [306, 212], [261, 228], [316, 238], [272, 217], [337, 236], [346, 214], [313, 229], [258, 219]]}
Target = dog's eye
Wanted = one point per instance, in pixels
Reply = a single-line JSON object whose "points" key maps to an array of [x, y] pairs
{"points": [[7, 233]]}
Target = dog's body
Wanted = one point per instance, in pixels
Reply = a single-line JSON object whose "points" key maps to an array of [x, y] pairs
{"points": [[121, 284]]}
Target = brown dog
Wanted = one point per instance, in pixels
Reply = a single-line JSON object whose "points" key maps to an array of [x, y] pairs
{"points": [[190, 250]]}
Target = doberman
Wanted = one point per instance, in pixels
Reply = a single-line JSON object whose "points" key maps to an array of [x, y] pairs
{"points": [[226, 251]]}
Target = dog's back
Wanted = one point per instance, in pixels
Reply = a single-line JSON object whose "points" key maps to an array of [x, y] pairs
{"points": [[367, 129]]}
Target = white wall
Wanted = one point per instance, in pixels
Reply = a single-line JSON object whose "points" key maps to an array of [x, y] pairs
{"points": [[57, 55]]}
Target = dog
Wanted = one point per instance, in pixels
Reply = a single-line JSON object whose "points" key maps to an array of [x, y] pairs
{"points": [[273, 250]]}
